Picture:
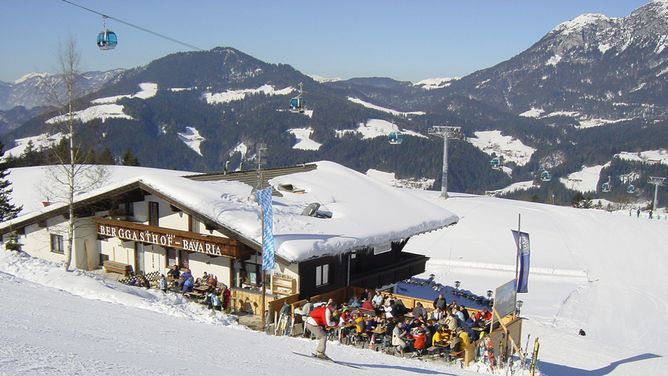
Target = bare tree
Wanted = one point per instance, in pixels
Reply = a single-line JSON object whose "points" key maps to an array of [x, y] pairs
{"points": [[72, 175]]}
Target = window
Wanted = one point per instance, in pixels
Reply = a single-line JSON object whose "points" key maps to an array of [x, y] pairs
{"points": [[322, 275], [153, 213], [170, 257], [57, 244]]}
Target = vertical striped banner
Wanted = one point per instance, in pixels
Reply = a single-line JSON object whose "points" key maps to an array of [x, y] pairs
{"points": [[263, 197], [522, 242]]}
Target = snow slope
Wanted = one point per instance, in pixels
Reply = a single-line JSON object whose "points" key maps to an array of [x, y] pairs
{"points": [[511, 149], [599, 271]]}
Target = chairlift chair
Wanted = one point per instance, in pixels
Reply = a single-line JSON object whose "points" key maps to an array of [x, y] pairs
{"points": [[545, 176], [395, 138]]}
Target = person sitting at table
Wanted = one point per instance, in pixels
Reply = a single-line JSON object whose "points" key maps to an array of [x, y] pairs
{"points": [[398, 337], [437, 315], [465, 313], [440, 338], [377, 300], [174, 274], [419, 312], [464, 337], [213, 302], [188, 282], [400, 308], [366, 305], [212, 282], [420, 340], [451, 321]]}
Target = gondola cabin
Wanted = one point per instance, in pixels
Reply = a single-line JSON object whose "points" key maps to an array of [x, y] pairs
{"points": [[297, 104], [395, 138], [107, 40], [605, 187], [495, 163], [545, 176]]}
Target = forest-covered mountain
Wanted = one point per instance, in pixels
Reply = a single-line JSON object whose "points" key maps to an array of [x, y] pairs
{"points": [[201, 110]]}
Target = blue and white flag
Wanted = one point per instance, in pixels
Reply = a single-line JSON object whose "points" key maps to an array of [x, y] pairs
{"points": [[522, 242], [263, 197]]}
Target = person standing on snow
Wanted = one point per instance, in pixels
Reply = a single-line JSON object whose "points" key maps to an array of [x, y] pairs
{"points": [[318, 321]]}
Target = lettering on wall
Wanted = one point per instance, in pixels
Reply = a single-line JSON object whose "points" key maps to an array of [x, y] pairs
{"points": [[164, 238]]}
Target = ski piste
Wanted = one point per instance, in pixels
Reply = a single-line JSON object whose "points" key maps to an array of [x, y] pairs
{"points": [[330, 360]]}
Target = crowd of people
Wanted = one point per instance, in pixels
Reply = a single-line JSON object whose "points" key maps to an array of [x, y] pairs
{"points": [[382, 322], [215, 295]]}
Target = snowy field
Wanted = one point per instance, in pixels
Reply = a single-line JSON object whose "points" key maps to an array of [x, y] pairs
{"points": [[592, 270]]}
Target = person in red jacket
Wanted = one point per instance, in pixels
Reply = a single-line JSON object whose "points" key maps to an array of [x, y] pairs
{"points": [[318, 321]]}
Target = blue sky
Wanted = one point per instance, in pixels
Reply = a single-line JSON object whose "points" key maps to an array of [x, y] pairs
{"points": [[406, 40]]}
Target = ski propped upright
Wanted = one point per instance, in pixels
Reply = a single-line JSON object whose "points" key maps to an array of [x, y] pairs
{"points": [[330, 360]]}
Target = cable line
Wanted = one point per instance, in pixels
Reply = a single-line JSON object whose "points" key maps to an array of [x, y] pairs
{"points": [[136, 26]]}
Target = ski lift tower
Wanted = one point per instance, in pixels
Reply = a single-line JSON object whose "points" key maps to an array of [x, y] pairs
{"points": [[446, 132], [657, 181]]}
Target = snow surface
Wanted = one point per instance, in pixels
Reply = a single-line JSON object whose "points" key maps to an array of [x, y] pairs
{"points": [[238, 95], [519, 186], [384, 109], [435, 83], [147, 90], [102, 112], [595, 122], [29, 76], [303, 136], [533, 112], [512, 150], [580, 22], [391, 179], [647, 156], [192, 139], [377, 128], [322, 79], [583, 275], [585, 180], [39, 142]]}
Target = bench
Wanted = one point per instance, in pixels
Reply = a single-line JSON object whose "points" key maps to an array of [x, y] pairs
{"points": [[117, 267]]}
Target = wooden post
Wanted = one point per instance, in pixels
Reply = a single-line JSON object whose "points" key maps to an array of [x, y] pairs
{"points": [[262, 304]]}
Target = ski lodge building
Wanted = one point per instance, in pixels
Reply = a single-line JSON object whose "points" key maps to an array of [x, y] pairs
{"points": [[333, 227]]}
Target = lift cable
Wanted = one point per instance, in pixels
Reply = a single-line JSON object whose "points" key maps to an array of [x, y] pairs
{"points": [[136, 26]]}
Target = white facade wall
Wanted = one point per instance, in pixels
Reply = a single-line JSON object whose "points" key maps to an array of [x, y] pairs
{"points": [[37, 242]]}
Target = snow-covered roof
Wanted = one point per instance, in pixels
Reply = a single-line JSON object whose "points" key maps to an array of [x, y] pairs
{"points": [[365, 213]]}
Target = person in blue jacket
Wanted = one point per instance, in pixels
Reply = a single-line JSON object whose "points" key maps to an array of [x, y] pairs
{"points": [[188, 281]]}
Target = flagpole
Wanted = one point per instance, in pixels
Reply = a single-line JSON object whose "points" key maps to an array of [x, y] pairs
{"points": [[262, 303], [517, 251]]}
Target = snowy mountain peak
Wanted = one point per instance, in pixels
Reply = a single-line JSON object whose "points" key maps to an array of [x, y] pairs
{"points": [[580, 22], [30, 76]]}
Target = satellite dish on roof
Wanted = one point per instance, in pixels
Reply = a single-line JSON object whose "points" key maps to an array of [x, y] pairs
{"points": [[311, 209]]}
